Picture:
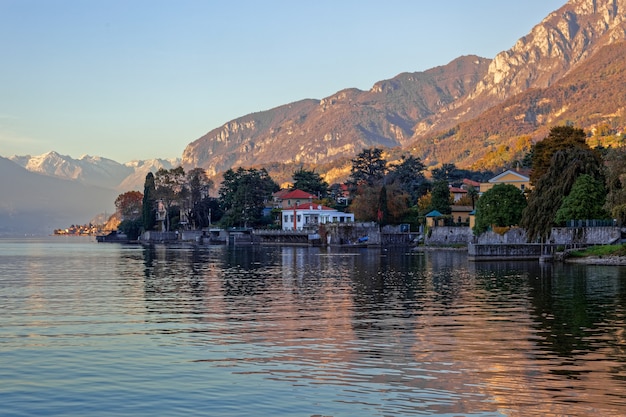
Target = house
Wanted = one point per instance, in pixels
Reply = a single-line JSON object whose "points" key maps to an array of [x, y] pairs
{"points": [[461, 214], [309, 215], [343, 194], [467, 184], [289, 198], [520, 179], [457, 193]]}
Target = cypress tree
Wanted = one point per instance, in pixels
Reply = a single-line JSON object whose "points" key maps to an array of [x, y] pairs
{"points": [[149, 203]]}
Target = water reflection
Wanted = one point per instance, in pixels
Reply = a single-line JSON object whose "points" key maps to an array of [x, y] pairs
{"points": [[399, 332]]}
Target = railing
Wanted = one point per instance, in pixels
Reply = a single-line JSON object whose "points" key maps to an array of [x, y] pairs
{"points": [[590, 223]]}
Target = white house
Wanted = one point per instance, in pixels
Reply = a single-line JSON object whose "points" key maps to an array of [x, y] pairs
{"points": [[312, 215]]}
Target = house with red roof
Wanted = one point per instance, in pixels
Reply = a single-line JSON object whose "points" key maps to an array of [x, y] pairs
{"points": [[309, 215], [290, 198]]}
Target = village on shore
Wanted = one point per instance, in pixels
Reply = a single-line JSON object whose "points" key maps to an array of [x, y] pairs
{"points": [[565, 196]]}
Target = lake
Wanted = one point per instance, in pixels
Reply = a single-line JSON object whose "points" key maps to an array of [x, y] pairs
{"points": [[92, 329]]}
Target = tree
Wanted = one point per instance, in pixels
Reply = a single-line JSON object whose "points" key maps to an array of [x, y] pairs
{"points": [[382, 213], [546, 198], [472, 194], [409, 175], [615, 161], [311, 182], [447, 173], [367, 168], [199, 186], [365, 204], [148, 206], [440, 197], [500, 206], [131, 228], [171, 189], [242, 196], [560, 137], [129, 205], [585, 201]]}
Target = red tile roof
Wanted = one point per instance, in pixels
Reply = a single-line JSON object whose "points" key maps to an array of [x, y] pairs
{"points": [[298, 194]]}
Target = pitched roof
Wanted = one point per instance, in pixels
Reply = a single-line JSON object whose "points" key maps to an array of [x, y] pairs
{"points": [[298, 194], [467, 181], [434, 213], [521, 176], [309, 206], [281, 193]]}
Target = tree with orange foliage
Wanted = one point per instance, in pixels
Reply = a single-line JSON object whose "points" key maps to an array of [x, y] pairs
{"points": [[129, 205]]}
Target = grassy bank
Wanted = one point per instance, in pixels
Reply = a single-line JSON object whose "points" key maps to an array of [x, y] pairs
{"points": [[600, 251]]}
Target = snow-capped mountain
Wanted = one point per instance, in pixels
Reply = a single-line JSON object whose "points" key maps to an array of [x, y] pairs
{"points": [[94, 170]]}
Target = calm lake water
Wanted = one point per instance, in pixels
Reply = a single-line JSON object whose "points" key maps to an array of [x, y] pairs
{"points": [[92, 329]]}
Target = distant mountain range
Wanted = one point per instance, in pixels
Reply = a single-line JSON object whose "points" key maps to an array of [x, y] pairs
{"points": [[45, 192], [474, 112], [94, 170]]}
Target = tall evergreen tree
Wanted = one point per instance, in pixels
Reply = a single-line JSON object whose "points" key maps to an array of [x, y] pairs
{"points": [[440, 199], [149, 203], [368, 168], [409, 176], [311, 182], [242, 196]]}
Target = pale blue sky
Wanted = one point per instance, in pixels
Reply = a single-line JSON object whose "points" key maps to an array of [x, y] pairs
{"points": [[139, 79]]}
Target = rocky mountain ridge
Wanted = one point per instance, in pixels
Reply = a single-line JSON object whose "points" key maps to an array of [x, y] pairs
{"points": [[411, 109]]}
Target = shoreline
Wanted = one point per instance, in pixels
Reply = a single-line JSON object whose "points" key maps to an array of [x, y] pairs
{"points": [[599, 260]]}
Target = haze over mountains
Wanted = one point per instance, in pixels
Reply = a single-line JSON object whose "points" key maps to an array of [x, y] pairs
{"points": [[45, 192], [475, 112]]}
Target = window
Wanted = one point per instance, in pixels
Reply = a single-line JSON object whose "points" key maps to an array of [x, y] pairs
{"points": [[286, 218], [299, 218]]}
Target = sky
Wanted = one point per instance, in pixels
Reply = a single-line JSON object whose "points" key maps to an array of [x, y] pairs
{"points": [[141, 79]]}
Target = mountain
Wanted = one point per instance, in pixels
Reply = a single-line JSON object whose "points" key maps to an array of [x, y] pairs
{"points": [[565, 39], [592, 94], [135, 181], [94, 170], [87, 169], [423, 111], [35, 203], [320, 131]]}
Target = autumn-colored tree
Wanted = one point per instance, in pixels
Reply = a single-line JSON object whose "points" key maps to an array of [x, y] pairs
{"points": [[365, 204], [129, 205]]}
